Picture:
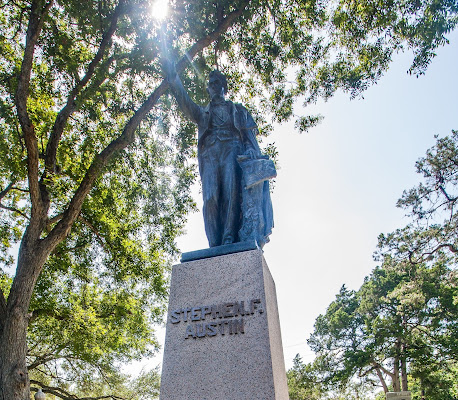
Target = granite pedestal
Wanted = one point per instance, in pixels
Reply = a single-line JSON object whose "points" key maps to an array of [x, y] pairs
{"points": [[223, 338]]}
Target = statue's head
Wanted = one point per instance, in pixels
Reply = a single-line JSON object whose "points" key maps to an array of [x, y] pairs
{"points": [[217, 84]]}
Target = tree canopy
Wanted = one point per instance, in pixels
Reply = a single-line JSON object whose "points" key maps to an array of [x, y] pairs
{"points": [[94, 160]]}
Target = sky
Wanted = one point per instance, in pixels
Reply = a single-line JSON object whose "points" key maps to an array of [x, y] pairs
{"points": [[338, 184]]}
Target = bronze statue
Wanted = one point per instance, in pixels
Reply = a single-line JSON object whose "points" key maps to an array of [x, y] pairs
{"points": [[235, 175]]}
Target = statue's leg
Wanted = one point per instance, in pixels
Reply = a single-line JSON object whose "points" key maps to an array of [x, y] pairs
{"points": [[209, 174], [231, 195]]}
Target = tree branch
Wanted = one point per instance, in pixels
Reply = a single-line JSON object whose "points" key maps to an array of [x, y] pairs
{"points": [[382, 379], [63, 394], [52, 354], [41, 361], [93, 229], [128, 134], [15, 210], [44, 312], [55, 219], [35, 25], [69, 108], [20, 190], [449, 199], [5, 191], [424, 256], [382, 368], [450, 246], [225, 24]]}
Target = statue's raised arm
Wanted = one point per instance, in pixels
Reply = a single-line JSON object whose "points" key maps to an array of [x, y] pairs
{"points": [[189, 108], [235, 176]]}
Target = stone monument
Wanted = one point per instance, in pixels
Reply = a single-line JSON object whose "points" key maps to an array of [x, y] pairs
{"points": [[223, 339]]}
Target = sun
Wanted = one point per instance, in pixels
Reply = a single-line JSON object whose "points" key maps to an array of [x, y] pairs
{"points": [[159, 9]]}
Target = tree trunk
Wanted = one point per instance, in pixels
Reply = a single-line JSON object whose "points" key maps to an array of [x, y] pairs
{"points": [[382, 380], [395, 377], [404, 374], [404, 358], [14, 379]]}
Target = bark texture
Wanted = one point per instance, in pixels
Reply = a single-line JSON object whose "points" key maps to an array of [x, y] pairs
{"points": [[14, 379]]}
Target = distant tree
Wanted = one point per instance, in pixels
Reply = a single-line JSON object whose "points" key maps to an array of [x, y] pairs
{"points": [[433, 231], [431, 239], [302, 381], [93, 160], [398, 324], [305, 383]]}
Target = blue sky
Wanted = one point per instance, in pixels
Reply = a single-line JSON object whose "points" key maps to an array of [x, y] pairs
{"points": [[338, 184]]}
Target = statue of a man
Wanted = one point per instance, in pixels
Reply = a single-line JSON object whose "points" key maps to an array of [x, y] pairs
{"points": [[229, 156]]}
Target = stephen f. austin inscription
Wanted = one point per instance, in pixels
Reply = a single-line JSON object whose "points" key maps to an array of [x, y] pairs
{"points": [[215, 314]]}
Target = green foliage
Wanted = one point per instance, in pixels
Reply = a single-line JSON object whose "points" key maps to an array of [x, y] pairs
{"points": [[437, 381], [302, 382], [431, 205], [397, 315], [345, 44], [431, 241], [305, 383], [146, 386], [143, 387]]}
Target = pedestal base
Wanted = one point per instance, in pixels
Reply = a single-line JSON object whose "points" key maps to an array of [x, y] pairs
{"points": [[223, 338]]}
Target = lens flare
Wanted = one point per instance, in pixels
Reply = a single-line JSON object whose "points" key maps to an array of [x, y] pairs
{"points": [[159, 10]]}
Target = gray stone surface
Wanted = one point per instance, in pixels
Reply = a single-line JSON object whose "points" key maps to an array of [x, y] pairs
{"points": [[249, 365], [399, 395]]}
